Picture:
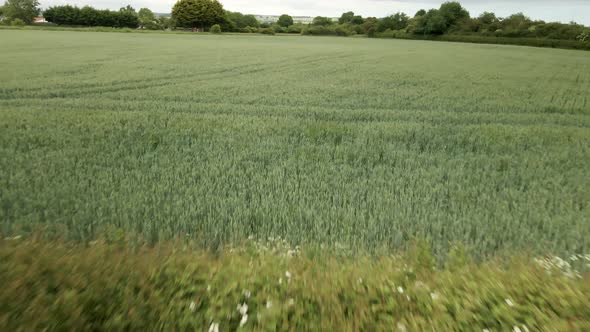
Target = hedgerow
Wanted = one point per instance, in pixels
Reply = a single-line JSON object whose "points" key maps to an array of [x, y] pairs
{"points": [[106, 286]]}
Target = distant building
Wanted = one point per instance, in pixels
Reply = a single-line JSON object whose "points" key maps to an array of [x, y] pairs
{"points": [[270, 19], [38, 20]]}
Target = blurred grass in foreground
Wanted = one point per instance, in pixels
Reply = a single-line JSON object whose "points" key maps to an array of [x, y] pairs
{"points": [[110, 285]]}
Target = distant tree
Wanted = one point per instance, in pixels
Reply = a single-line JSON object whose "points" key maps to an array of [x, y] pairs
{"points": [[421, 12], [453, 13], [285, 21], [251, 21], [86, 16], [237, 21], [166, 23], [25, 10], [321, 21], [397, 21], [370, 26], [435, 23], [147, 19], [346, 18], [198, 13], [487, 18], [127, 18], [357, 20], [516, 21]]}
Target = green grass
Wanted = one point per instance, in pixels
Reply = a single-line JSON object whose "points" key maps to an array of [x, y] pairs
{"points": [[357, 142]]}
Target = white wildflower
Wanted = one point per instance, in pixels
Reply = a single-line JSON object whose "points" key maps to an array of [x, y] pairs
{"points": [[208, 288], [526, 329], [193, 306], [214, 327], [400, 290], [242, 308], [247, 294], [434, 296], [244, 320], [509, 302], [485, 330], [516, 329], [268, 304], [401, 327], [280, 281], [291, 302], [288, 275]]}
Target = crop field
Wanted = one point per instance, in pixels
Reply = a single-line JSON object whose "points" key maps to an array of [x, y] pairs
{"points": [[350, 142]]}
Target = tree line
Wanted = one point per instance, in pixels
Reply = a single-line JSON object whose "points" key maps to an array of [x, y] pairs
{"points": [[451, 18]]}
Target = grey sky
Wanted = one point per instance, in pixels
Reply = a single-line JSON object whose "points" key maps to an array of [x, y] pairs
{"points": [[548, 10]]}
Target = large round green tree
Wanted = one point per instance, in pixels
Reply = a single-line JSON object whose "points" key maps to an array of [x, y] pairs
{"points": [[198, 13]]}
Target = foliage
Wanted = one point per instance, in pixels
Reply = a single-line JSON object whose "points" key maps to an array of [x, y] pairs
{"points": [[108, 286], [88, 16], [295, 29], [23, 10], [198, 13], [147, 19], [266, 31], [322, 21], [285, 21], [373, 151], [239, 22], [215, 28], [397, 21], [17, 22], [370, 26], [346, 18]]}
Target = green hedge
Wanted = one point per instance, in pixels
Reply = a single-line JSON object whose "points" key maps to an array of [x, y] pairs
{"points": [[536, 42], [109, 286]]}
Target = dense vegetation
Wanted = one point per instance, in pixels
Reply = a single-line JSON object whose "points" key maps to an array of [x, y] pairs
{"points": [[108, 286], [355, 143], [451, 20], [87, 16]]}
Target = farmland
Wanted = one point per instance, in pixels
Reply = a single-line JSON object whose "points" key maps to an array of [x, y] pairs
{"points": [[356, 143]]}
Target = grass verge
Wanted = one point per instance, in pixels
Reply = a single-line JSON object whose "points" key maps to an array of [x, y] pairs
{"points": [[109, 285]]}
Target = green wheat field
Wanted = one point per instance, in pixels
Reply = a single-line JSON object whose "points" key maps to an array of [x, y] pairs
{"points": [[346, 142]]}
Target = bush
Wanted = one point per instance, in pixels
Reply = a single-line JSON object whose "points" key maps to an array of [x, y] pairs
{"points": [[294, 29], [278, 29], [266, 31], [320, 30], [110, 286], [17, 22], [248, 29], [342, 30], [215, 29]]}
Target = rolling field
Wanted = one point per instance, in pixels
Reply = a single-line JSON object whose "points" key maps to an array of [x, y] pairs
{"points": [[357, 142]]}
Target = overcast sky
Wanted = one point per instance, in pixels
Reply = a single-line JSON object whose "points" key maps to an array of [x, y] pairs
{"points": [[548, 10]]}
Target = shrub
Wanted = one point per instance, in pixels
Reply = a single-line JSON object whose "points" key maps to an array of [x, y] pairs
{"points": [[17, 22], [342, 30], [266, 31], [294, 29], [108, 285], [278, 29], [215, 29]]}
